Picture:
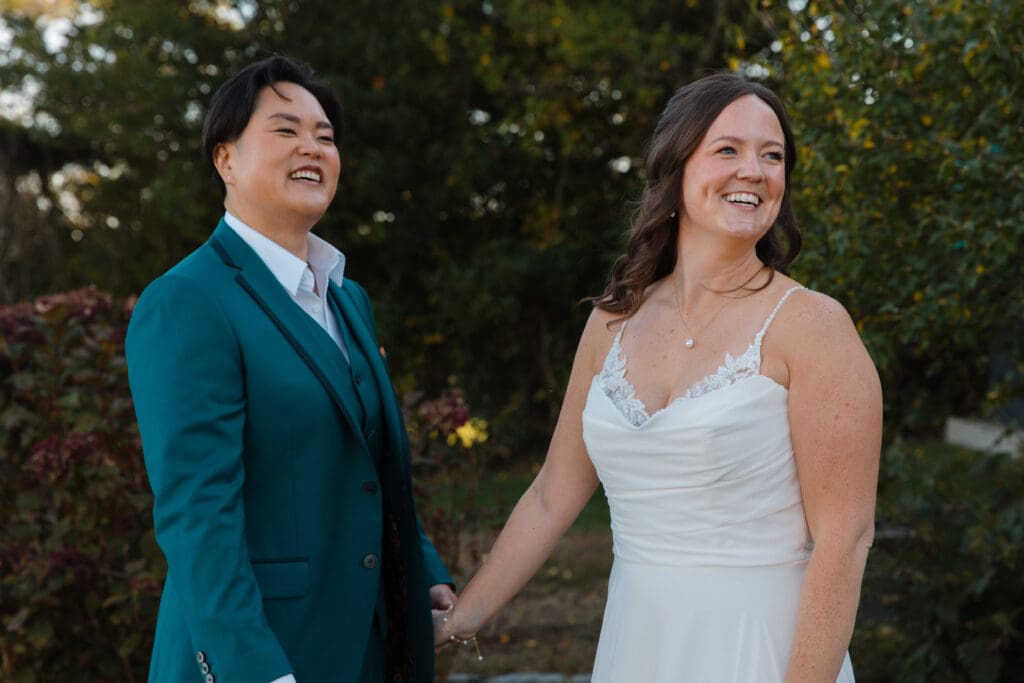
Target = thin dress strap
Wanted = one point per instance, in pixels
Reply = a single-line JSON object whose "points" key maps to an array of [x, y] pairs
{"points": [[771, 317]]}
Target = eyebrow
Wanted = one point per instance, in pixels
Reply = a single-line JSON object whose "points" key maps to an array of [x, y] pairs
{"points": [[732, 138], [295, 119]]}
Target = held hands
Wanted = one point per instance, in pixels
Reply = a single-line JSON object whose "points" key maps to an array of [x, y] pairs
{"points": [[446, 628], [442, 597]]}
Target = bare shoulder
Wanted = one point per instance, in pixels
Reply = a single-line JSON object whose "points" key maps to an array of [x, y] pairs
{"points": [[814, 331], [810, 314], [597, 337]]}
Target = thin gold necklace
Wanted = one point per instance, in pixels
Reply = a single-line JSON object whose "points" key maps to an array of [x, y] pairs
{"points": [[690, 342]]}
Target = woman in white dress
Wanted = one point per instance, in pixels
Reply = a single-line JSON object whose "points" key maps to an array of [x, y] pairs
{"points": [[732, 416]]}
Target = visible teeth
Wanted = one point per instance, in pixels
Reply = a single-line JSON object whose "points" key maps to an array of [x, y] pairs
{"points": [[305, 175], [743, 198]]}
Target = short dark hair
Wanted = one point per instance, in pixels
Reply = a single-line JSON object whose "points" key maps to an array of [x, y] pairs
{"points": [[651, 245], [235, 100]]}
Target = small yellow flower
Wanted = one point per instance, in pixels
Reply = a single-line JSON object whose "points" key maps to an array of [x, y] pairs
{"points": [[979, 269], [927, 120], [473, 431], [918, 296]]}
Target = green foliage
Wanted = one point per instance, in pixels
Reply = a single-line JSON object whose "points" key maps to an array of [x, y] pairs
{"points": [[911, 189], [79, 568], [943, 600], [488, 154]]}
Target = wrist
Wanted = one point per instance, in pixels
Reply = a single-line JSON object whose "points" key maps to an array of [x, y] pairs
{"points": [[455, 627], [458, 631]]}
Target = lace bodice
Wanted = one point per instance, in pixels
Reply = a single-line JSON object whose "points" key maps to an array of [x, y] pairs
{"points": [[622, 393]]}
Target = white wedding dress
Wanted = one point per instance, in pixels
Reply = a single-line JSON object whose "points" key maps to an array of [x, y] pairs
{"points": [[709, 534]]}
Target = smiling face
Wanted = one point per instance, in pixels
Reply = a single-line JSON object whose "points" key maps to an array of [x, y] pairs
{"points": [[735, 180], [282, 171]]}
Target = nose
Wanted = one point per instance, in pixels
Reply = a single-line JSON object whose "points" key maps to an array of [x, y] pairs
{"points": [[750, 168], [309, 145]]}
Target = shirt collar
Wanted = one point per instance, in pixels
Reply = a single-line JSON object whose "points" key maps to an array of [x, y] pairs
{"points": [[288, 268]]}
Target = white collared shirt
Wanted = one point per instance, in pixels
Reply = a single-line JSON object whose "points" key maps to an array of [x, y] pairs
{"points": [[305, 282]]}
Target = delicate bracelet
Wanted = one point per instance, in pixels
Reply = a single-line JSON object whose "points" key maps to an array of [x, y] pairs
{"points": [[461, 641]]}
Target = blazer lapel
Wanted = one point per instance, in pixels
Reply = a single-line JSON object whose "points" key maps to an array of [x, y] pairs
{"points": [[364, 337], [313, 344]]}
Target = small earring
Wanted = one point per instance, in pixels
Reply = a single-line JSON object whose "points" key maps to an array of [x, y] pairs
{"points": [[230, 178], [674, 214]]}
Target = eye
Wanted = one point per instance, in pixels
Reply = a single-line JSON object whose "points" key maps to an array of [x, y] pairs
{"points": [[728, 149], [775, 156], [326, 139], [286, 131]]}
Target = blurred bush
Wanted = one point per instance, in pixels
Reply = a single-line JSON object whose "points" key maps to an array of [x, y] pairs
{"points": [[943, 599], [910, 190], [80, 572], [451, 450]]}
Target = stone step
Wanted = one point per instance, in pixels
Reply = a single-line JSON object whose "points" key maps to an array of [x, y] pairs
{"points": [[524, 677]]}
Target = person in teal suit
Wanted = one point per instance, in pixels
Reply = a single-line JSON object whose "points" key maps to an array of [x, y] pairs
{"points": [[271, 433]]}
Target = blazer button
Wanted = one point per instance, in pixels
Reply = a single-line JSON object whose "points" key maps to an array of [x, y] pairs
{"points": [[370, 561], [200, 657], [370, 488], [205, 668], [209, 678]]}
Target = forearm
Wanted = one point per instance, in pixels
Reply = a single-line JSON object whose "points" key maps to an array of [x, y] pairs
{"points": [[828, 609], [529, 536]]}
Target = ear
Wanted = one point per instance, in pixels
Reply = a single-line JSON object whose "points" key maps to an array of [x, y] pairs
{"points": [[222, 162]]}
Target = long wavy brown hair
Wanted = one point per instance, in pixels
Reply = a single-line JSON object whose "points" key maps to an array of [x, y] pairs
{"points": [[651, 245]]}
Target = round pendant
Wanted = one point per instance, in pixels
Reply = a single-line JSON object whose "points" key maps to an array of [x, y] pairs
{"points": [[688, 343]]}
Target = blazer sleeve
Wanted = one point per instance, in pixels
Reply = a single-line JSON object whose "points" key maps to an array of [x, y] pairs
{"points": [[433, 566], [188, 385]]}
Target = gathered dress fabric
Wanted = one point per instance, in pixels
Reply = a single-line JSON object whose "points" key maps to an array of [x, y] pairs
{"points": [[709, 535]]}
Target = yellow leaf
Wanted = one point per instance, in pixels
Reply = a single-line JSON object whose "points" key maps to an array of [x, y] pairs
{"points": [[857, 126], [869, 144], [485, 59], [822, 61], [927, 120]]}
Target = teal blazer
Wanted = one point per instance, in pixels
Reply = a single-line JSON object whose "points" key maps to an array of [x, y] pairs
{"points": [[267, 501]]}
